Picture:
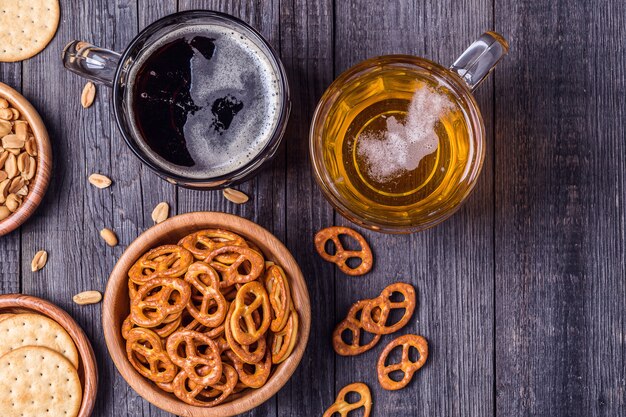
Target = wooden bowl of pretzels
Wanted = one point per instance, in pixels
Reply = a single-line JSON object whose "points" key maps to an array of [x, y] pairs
{"points": [[206, 314]]}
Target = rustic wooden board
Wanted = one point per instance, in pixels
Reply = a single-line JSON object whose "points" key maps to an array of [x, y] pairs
{"points": [[450, 266], [306, 31], [521, 294], [560, 273]]}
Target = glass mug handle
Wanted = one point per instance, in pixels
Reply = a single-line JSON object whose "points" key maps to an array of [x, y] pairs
{"points": [[91, 62], [477, 61]]}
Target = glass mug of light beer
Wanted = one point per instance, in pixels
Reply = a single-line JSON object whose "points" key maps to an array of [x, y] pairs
{"points": [[199, 96], [397, 142]]}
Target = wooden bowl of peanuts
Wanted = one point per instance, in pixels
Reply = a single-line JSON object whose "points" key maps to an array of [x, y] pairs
{"points": [[25, 159]]}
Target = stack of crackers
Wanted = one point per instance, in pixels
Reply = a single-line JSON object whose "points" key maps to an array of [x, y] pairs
{"points": [[38, 368]]}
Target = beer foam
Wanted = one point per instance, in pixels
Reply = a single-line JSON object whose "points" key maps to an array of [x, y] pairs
{"points": [[238, 69], [401, 147]]}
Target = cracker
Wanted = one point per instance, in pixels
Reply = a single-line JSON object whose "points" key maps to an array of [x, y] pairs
{"points": [[6, 316], [36, 330], [36, 381], [27, 27]]}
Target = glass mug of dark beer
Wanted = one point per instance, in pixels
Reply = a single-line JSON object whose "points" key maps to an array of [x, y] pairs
{"points": [[199, 96], [397, 142]]}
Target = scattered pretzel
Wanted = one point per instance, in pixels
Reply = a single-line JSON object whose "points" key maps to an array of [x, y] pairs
{"points": [[384, 303], [343, 407], [354, 326], [406, 366], [341, 255]]}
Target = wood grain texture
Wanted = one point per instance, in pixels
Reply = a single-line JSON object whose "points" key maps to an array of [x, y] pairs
{"points": [[451, 266], [306, 48], [521, 294], [560, 212], [116, 308]]}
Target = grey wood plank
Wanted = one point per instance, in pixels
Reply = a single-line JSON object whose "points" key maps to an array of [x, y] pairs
{"points": [[154, 189], [267, 190], [451, 266], [307, 52], [560, 214], [10, 245]]}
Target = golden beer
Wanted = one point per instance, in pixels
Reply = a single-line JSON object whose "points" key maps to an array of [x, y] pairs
{"points": [[397, 143]]}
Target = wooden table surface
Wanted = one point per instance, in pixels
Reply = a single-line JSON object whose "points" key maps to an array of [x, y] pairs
{"points": [[521, 293]]}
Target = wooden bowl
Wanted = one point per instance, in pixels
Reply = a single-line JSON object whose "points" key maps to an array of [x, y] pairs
{"points": [[39, 184], [115, 308], [87, 369]]}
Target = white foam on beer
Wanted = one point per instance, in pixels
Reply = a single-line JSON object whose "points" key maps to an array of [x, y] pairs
{"points": [[401, 147], [249, 81], [238, 66]]}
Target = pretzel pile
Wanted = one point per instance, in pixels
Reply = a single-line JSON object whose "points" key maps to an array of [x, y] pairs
{"points": [[209, 317], [341, 255]]}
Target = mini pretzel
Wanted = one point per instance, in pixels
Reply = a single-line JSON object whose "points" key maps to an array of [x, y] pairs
{"points": [[406, 366], [212, 307], [156, 302], [247, 353], [194, 351], [280, 296], [169, 261], [166, 386], [145, 352], [343, 407], [283, 342], [242, 312], [163, 330], [231, 273], [354, 325], [383, 301], [202, 243], [195, 394], [260, 371], [212, 332], [342, 255]]}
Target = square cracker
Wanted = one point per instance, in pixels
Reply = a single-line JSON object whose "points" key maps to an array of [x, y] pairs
{"points": [[27, 27], [36, 381]]}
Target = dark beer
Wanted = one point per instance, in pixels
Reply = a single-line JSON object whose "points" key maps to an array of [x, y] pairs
{"points": [[205, 101]]}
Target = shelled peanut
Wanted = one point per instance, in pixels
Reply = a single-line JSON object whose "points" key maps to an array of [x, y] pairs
{"points": [[18, 162]]}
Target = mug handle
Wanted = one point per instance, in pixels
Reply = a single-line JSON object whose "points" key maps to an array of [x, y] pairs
{"points": [[91, 62], [482, 56]]}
